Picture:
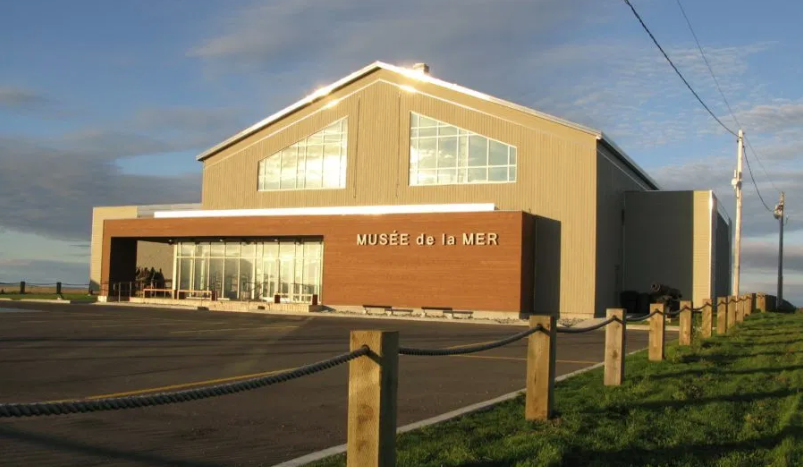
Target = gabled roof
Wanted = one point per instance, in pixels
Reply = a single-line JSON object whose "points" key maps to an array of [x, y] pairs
{"points": [[326, 90]]}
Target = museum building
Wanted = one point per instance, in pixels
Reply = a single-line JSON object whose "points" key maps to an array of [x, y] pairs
{"points": [[391, 189]]}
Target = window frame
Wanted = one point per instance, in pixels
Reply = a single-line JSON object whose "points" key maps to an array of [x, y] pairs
{"points": [[301, 163], [459, 134]]}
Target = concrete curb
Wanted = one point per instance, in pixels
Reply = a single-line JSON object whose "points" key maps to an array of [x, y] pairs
{"points": [[461, 412], [329, 314]]}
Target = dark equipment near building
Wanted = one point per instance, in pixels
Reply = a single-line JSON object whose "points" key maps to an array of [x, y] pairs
{"points": [[638, 303]]}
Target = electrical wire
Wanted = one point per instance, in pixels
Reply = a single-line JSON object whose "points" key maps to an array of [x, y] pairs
{"points": [[721, 93], [707, 64], [749, 169], [750, 145], [655, 41]]}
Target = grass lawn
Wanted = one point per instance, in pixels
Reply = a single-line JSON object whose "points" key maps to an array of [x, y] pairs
{"points": [[51, 296], [731, 401]]}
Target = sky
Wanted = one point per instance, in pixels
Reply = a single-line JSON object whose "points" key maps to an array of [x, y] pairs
{"points": [[108, 103]]}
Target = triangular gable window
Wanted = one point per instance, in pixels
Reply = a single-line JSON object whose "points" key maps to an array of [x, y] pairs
{"points": [[443, 154], [316, 162]]}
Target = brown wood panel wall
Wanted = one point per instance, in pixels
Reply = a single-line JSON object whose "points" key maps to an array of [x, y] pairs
{"points": [[487, 278]]}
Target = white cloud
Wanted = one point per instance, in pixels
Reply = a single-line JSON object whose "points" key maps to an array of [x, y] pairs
{"points": [[773, 117]]}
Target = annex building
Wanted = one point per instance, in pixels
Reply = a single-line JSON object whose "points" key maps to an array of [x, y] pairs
{"points": [[392, 188]]}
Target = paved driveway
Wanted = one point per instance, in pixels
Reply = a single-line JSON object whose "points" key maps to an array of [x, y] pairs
{"points": [[53, 352]]}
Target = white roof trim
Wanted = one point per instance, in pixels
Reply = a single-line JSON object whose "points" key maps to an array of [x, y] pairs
{"points": [[331, 211], [420, 76]]}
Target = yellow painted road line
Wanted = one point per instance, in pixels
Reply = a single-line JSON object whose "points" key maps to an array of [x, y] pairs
{"points": [[154, 324], [187, 385], [490, 357], [521, 359], [234, 329], [469, 345]]}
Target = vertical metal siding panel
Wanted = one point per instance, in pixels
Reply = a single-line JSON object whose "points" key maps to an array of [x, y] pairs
{"points": [[702, 248], [612, 183]]}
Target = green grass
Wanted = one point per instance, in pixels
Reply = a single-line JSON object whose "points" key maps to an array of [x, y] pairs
{"points": [[729, 401], [51, 296]]}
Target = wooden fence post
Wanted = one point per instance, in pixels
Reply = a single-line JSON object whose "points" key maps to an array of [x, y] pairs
{"points": [[761, 302], [732, 305], [657, 332], [373, 382], [751, 302], [685, 323], [722, 315], [615, 347], [708, 318], [740, 303], [541, 348]]}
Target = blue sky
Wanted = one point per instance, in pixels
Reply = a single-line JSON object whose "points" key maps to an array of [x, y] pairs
{"points": [[105, 103]]}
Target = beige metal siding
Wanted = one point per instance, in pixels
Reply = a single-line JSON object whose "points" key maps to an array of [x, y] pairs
{"points": [[100, 214], [613, 180], [703, 225], [556, 167]]}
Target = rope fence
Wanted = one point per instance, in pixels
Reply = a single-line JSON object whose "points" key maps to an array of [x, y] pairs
{"points": [[373, 381], [469, 348], [173, 397]]}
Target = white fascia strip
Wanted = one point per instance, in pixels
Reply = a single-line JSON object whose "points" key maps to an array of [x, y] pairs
{"points": [[331, 211]]}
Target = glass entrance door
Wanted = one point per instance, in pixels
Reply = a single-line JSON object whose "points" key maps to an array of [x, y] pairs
{"points": [[255, 269]]}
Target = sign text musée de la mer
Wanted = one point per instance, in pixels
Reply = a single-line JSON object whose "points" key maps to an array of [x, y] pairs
{"points": [[405, 239]]}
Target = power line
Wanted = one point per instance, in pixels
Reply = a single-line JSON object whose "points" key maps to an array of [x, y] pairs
{"points": [[721, 93], [655, 41], [761, 164], [707, 64], [749, 169]]}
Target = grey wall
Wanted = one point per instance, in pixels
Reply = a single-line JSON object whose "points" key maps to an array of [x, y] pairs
{"points": [[659, 240], [722, 251], [613, 181]]}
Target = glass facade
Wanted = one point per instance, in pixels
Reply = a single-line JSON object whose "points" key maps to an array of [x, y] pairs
{"points": [[255, 270], [316, 162], [442, 154]]}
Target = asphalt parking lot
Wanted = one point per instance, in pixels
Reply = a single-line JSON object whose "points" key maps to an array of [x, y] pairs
{"points": [[56, 352]]}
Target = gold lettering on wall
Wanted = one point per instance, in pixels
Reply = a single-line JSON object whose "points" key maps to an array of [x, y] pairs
{"points": [[396, 238]]}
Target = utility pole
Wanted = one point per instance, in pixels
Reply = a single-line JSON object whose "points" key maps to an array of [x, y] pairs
{"points": [[737, 186], [779, 208]]}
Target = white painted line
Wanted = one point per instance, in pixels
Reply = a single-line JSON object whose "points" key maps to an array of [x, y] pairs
{"points": [[461, 412]]}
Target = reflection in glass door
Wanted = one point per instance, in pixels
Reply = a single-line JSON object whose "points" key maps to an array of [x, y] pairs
{"points": [[247, 270]]}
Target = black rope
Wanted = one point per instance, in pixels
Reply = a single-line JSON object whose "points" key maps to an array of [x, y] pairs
{"points": [[589, 328], [643, 318], [672, 314], [469, 348], [117, 403]]}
